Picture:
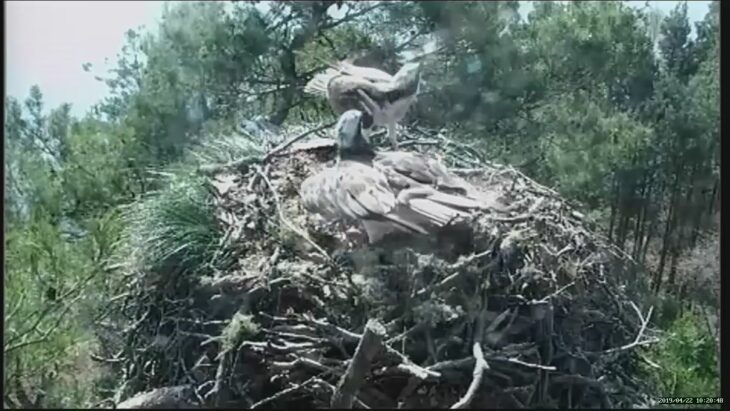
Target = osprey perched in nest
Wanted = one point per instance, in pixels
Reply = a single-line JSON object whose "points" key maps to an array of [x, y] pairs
{"points": [[360, 190], [384, 99]]}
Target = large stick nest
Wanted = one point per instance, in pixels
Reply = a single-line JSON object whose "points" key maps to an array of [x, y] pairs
{"points": [[532, 309]]}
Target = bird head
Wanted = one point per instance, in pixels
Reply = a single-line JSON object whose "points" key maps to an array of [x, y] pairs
{"points": [[350, 140]]}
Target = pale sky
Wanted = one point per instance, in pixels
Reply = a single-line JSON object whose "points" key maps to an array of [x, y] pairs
{"points": [[48, 41]]}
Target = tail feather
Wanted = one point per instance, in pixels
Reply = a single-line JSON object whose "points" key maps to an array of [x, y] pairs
{"points": [[419, 216], [408, 220], [454, 200], [317, 86], [451, 200]]}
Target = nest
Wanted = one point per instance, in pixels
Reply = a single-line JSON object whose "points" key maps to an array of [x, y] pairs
{"points": [[531, 309]]}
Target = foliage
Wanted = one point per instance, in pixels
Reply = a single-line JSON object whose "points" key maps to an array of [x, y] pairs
{"points": [[173, 228], [688, 359]]}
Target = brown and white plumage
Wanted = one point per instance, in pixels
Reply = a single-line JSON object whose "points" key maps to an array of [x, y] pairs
{"points": [[384, 99], [406, 170], [355, 191]]}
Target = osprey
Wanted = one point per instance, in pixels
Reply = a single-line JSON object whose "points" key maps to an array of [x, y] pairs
{"points": [[356, 191], [384, 99]]}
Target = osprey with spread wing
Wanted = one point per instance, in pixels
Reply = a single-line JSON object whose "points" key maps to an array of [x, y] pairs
{"points": [[383, 98], [356, 190]]}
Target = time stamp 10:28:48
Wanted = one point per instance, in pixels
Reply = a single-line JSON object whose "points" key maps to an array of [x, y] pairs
{"points": [[689, 400]]}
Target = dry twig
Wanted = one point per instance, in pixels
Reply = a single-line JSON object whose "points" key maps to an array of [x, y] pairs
{"points": [[370, 344]]}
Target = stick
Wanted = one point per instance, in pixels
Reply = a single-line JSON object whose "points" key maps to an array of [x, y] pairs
{"points": [[370, 344], [480, 363], [211, 169], [457, 268], [165, 397], [281, 147], [526, 364], [476, 381], [285, 221], [556, 293], [416, 328], [285, 392], [637, 342]]}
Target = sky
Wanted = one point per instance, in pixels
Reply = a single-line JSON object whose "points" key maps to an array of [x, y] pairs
{"points": [[47, 42]]}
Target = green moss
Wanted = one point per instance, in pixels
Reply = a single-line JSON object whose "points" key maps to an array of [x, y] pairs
{"points": [[238, 330]]}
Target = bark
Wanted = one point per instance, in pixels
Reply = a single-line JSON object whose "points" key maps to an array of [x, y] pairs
{"points": [[642, 235], [287, 60], [166, 397], [673, 265], [624, 227], [370, 345], [668, 230], [713, 198], [614, 206], [639, 220]]}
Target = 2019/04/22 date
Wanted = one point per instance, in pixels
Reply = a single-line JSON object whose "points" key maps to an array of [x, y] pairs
{"points": [[689, 400]]}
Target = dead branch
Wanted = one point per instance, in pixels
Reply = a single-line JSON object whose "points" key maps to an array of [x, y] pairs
{"points": [[278, 149], [479, 367], [167, 397], [480, 363], [286, 221], [285, 392], [370, 345], [637, 341]]}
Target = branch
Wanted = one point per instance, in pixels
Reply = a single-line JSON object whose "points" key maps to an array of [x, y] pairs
{"points": [[285, 392], [479, 366], [166, 397], [286, 144], [78, 286], [637, 340], [212, 169], [285, 221], [558, 292], [370, 344], [406, 365], [480, 363], [350, 16], [44, 335], [458, 272]]}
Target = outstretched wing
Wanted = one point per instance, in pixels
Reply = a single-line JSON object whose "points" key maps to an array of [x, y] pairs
{"points": [[351, 92], [367, 73]]}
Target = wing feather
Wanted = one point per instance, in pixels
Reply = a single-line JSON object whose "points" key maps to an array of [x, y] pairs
{"points": [[404, 166], [345, 92], [368, 73], [356, 191]]}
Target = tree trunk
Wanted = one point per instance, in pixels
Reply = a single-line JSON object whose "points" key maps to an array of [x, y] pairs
{"points": [[673, 265], [286, 99], [614, 206], [611, 222], [668, 230], [642, 235], [713, 196], [623, 227], [640, 216], [649, 237], [287, 60]]}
